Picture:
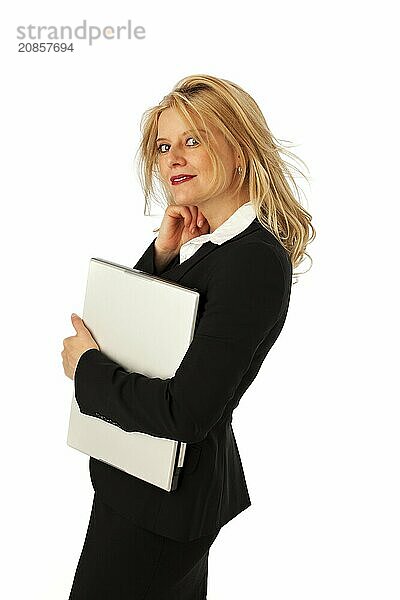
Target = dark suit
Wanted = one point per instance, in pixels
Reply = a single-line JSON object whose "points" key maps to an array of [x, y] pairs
{"points": [[244, 286]]}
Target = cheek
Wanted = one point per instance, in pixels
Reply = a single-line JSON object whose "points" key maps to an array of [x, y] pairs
{"points": [[204, 164], [162, 168]]}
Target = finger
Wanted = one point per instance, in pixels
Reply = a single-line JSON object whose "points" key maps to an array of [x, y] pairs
{"points": [[77, 323], [193, 219], [205, 228], [200, 219], [188, 218], [190, 215], [181, 213]]}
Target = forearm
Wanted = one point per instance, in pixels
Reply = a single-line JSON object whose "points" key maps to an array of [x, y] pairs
{"points": [[131, 401]]}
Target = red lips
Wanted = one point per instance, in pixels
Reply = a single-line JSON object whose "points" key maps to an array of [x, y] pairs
{"points": [[181, 177]]}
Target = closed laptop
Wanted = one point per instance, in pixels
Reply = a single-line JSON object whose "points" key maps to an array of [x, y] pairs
{"points": [[145, 324]]}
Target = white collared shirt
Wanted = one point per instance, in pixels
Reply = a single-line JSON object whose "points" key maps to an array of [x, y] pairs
{"points": [[236, 223]]}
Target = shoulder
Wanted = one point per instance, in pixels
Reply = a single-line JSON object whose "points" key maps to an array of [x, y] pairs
{"points": [[256, 256], [263, 236], [248, 280]]}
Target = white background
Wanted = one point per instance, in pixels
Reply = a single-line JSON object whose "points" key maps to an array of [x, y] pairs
{"points": [[318, 430]]}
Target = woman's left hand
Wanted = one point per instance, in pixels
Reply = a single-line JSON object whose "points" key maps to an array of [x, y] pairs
{"points": [[76, 345]]}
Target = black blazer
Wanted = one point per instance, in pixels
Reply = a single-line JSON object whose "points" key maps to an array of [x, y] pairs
{"points": [[244, 286]]}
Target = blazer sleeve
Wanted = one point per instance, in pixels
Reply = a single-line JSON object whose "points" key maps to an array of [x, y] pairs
{"points": [[243, 302], [146, 261]]}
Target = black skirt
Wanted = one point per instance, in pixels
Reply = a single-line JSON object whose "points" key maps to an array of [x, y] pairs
{"points": [[121, 561]]}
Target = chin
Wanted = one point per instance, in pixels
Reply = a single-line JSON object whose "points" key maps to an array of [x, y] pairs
{"points": [[185, 200]]}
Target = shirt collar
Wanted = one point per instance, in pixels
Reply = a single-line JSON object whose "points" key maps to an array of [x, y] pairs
{"points": [[236, 223]]}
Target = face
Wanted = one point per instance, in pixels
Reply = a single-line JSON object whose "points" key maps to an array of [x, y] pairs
{"points": [[180, 153]]}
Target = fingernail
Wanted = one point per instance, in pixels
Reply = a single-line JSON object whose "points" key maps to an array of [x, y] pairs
{"points": [[200, 223]]}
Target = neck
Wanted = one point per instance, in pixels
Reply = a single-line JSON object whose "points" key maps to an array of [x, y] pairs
{"points": [[217, 211]]}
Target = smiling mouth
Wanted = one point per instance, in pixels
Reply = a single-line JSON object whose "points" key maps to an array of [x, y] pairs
{"points": [[179, 180]]}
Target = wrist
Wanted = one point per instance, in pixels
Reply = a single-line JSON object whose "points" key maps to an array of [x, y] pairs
{"points": [[162, 257]]}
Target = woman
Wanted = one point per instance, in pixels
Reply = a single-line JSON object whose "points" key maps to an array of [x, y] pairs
{"points": [[233, 230]]}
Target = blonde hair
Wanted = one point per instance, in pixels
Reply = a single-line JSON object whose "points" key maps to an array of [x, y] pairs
{"points": [[265, 174]]}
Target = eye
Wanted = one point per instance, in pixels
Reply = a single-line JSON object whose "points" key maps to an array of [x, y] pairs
{"points": [[159, 148], [160, 151]]}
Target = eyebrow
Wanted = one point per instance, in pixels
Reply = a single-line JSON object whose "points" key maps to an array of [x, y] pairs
{"points": [[184, 133]]}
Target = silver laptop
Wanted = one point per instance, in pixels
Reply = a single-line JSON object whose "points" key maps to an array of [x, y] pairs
{"points": [[145, 324]]}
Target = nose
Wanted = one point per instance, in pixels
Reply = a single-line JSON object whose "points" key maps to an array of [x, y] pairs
{"points": [[175, 157]]}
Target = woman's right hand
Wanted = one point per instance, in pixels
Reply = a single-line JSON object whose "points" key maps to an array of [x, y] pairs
{"points": [[179, 225]]}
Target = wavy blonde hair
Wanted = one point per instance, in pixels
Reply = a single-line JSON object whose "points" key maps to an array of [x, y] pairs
{"points": [[266, 175]]}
